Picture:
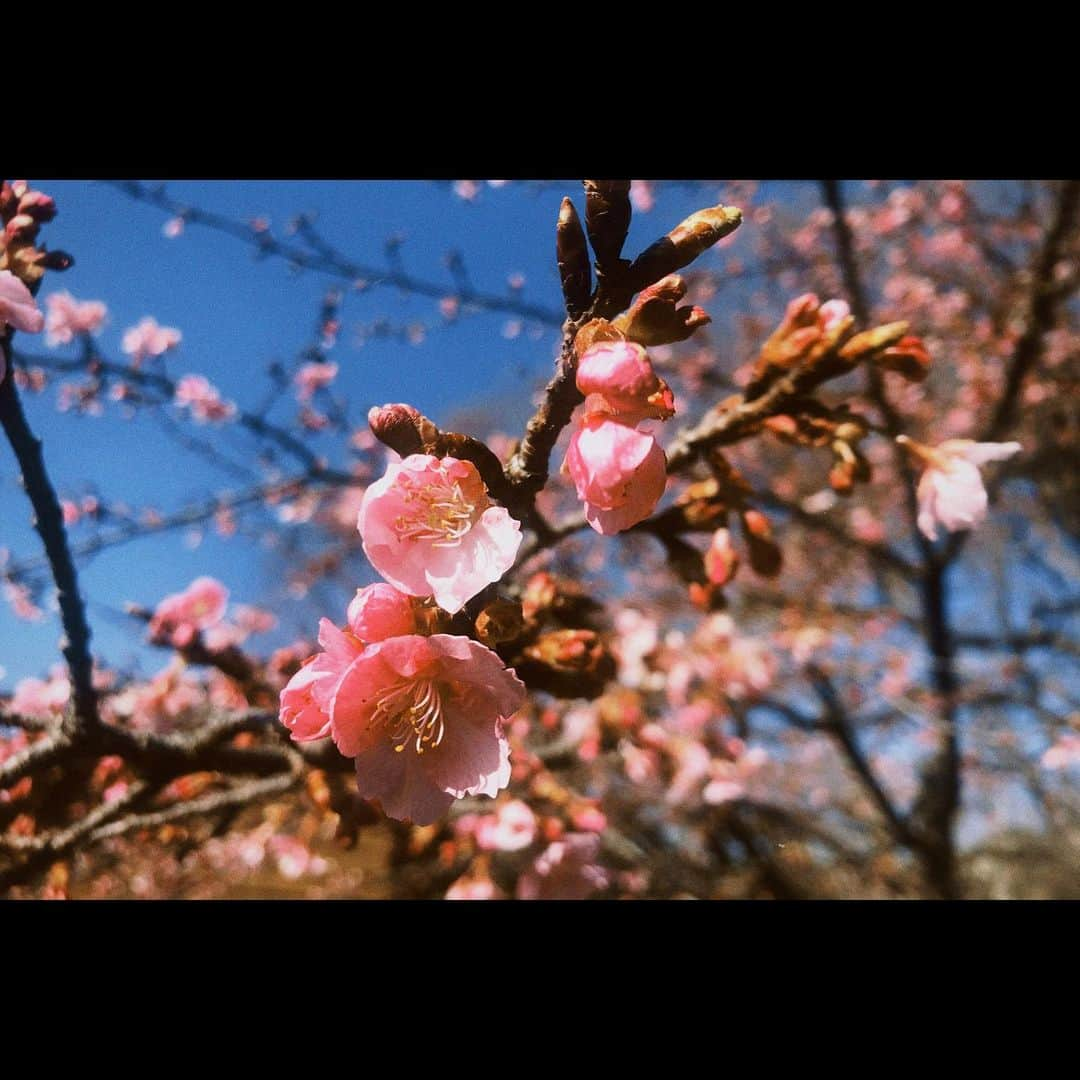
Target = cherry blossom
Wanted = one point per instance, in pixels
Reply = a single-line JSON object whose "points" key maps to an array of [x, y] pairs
{"points": [[17, 306], [951, 491], [423, 717], [203, 399], [179, 617], [67, 317], [312, 377], [147, 338], [620, 473], [430, 528]]}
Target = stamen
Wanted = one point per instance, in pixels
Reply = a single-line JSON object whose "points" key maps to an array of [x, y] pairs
{"points": [[439, 513], [412, 710]]}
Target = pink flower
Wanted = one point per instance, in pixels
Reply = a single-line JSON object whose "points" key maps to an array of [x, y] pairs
{"points": [[622, 374], [312, 377], [17, 306], [196, 393], [179, 617], [430, 528], [423, 718], [68, 317], [379, 611], [40, 700], [565, 871], [149, 339], [620, 473], [642, 195], [511, 828], [305, 701], [951, 491]]}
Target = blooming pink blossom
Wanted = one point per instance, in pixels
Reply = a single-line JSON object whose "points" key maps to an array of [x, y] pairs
{"points": [[306, 698], [147, 338], [39, 699], [179, 617], [511, 828], [204, 400], [567, 870], [620, 473], [312, 377], [622, 374], [951, 491], [423, 718], [17, 306], [430, 528], [67, 317]]}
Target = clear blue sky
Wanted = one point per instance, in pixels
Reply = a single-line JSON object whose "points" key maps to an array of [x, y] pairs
{"points": [[237, 315]]}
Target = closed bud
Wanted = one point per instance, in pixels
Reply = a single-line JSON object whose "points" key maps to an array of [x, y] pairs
{"points": [[721, 560], [57, 260], [870, 341], [572, 255], [607, 217], [38, 206], [908, 357], [765, 555], [655, 319], [500, 621], [567, 663], [539, 595], [398, 427], [683, 244]]}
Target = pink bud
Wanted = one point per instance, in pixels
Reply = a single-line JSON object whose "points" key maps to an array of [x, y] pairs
{"points": [[620, 371]]}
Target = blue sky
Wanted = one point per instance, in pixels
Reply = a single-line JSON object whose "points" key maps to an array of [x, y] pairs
{"points": [[237, 315]]}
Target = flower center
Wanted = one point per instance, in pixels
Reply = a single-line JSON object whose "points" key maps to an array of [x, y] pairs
{"points": [[439, 512], [412, 711]]}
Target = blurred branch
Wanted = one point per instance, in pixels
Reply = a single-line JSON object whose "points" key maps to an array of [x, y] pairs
{"points": [[320, 256]]}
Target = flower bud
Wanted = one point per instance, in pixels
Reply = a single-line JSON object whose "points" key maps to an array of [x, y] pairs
{"points": [[908, 357], [864, 344], [623, 375], [573, 259], [683, 244], [397, 426], [721, 560], [38, 206], [499, 622], [607, 217], [567, 663], [765, 556]]}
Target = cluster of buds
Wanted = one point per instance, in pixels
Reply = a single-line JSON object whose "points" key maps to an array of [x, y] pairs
{"points": [[22, 213], [707, 506], [545, 635], [607, 220], [810, 423], [816, 338]]}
